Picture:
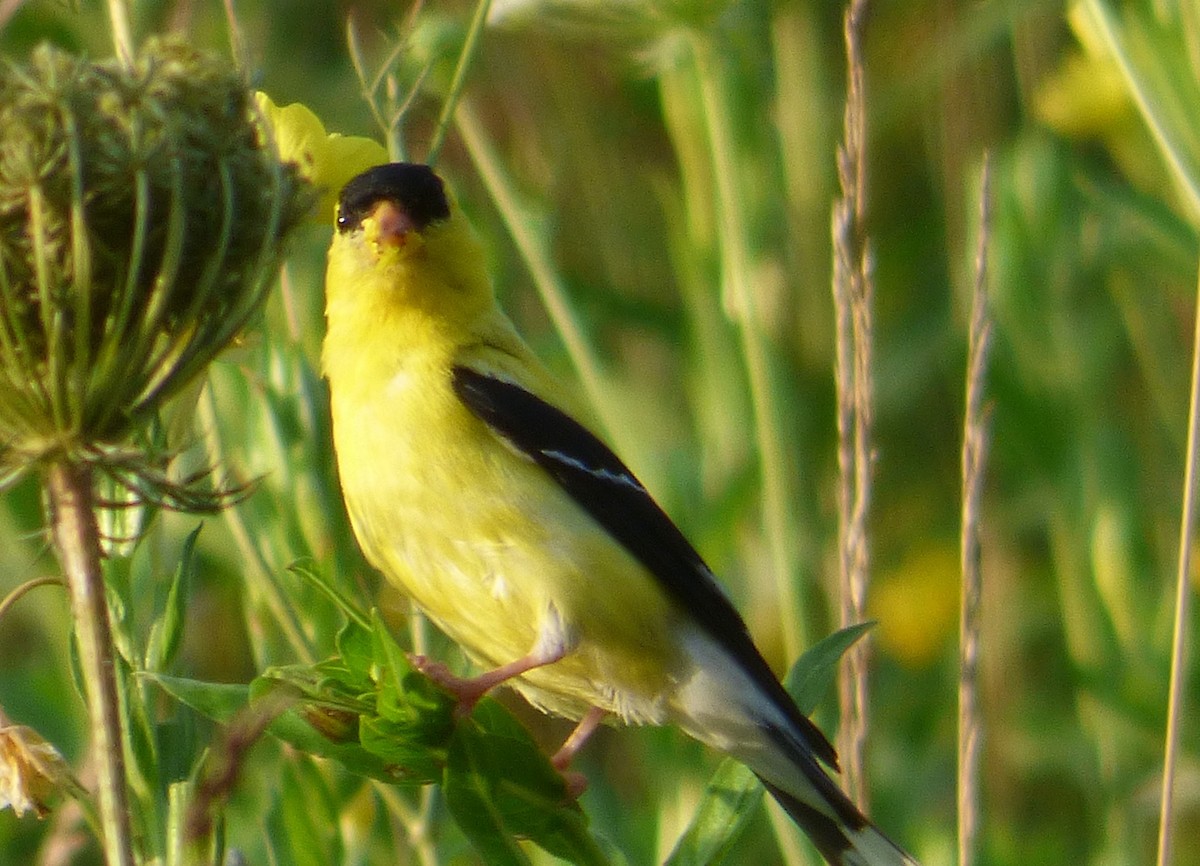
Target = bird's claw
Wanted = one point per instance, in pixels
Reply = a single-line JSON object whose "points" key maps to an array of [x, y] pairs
{"points": [[465, 691], [575, 781]]}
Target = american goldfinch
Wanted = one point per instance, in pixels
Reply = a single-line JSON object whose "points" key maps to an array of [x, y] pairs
{"points": [[472, 487]]}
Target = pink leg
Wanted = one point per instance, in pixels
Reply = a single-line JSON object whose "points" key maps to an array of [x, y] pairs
{"points": [[577, 782], [468, 690], [571, 746]]}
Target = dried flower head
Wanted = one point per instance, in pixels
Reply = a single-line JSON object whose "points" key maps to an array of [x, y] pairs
{"points": [[141, 221], [31, 771]]}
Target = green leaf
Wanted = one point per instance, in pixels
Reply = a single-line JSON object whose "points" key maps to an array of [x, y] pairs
{"points": [[813, 674], [409, 760], [119, 579], [355, 645], [406, 696], [1154, 57], [470, 789], [218, 701], [307, 570], [730, 802], [166, 632], [500, 787], [327, 720]]}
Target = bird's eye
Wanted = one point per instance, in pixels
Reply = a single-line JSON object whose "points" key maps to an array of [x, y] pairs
{"points": [[348, 219]]}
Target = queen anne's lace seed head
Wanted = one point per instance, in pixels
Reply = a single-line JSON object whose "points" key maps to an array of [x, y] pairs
{"points": [[142, 216]]}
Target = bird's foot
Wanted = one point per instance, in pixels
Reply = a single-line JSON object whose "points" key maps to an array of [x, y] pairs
{"points": [[575, 781], [466, 690]]}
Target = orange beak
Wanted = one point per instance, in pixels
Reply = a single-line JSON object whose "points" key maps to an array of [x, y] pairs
{"points": [[393, 224]]}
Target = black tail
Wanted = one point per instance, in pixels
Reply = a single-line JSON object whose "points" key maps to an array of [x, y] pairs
{"points": [[854, 841]]}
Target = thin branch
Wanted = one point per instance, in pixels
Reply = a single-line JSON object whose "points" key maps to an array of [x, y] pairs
{"points": [[226, 761], [1183, 596], [976, 439], [853, 294], [16, 595]]}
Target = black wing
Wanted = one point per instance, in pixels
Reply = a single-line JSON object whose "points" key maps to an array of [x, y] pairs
{"points": [[602, 485]]}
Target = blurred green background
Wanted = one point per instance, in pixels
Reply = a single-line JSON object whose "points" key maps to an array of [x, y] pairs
{"points": [[592, 131]]}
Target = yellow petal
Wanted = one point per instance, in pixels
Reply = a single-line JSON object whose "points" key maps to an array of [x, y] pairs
{"points": [[345, 156], [327, 160]]}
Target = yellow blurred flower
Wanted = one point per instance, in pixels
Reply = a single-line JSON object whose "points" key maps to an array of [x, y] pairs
{"points": [[1085, 97], [327, 160], [917, 604], [31, 771]]}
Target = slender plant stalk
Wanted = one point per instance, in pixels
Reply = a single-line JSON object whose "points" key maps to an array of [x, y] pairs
{"points": [[1182, 631], [16, 595], [77, 543], [853, 295], [265, 587], [536, 254], [417, 821], [1165, 128], [737, 283], [469, 50], [976, 437], [122, 34], [237, 41]]}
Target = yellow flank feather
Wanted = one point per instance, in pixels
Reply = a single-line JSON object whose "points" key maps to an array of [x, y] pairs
{"points": [[471, 487]]}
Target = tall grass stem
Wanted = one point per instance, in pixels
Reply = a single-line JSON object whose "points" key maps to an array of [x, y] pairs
{"points": [[252, 554], [737, 283], [1183, 595], [1152, 102], [535, 252], [853, 295], [976, 438], [237, 40]]}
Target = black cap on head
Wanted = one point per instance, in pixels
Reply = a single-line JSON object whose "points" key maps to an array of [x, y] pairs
{"points": [[414, 188]]}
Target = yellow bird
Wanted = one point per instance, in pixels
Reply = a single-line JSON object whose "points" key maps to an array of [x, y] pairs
{"points": [[472, 487]]}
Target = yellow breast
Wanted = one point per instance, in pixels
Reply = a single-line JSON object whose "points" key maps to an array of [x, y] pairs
{"points": [[481, 538]]}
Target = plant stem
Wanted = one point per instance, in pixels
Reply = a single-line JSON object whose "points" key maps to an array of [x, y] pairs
{"points": [[535, 251], [122, 35], [853, 294], [974, 457], [469, 50], [263, 588], [1183, 596], [738, 291], [77, 543], [16, 595]]}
